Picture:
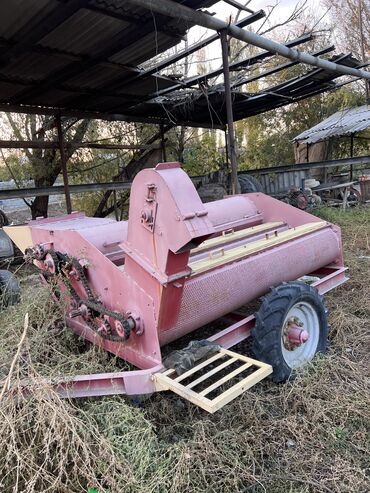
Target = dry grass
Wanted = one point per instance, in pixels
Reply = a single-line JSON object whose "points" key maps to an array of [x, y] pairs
{"points": [[310, 435]]}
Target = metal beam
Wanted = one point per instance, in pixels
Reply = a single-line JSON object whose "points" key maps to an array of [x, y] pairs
{"points": [[39, 144], [238, 5], [163, 143], [229, 113], [244, 64], [59, 190], [63, 159], [192, 81], [96, 115], [181, 12], [197, 46], [119, 84], [197, 79], [126, 185], [278, 68], [290, 83], [354, 161]]}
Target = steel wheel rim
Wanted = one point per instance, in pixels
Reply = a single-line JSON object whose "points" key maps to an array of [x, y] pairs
{"points": [[300, 355]]}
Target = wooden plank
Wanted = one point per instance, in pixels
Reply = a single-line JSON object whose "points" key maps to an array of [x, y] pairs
{"points": [[20, 235], [239, 252], [218, 368], [247, 359], [225, 379], [200, 366], [163, 382], [235, 235], [240, 387]]}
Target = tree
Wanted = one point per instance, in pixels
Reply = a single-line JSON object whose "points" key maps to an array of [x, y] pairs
{"points": [[351, 26], [45, 164], [349, 18]]}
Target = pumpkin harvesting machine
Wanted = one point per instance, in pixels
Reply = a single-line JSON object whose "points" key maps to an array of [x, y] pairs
{"points": [[134, 287]]}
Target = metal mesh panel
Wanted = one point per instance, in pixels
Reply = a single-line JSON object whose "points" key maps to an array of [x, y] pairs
{"points": [[215, 293]]}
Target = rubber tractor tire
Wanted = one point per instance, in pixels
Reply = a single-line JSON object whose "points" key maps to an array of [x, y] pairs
{"points": [[282, 308], [249, 184]]}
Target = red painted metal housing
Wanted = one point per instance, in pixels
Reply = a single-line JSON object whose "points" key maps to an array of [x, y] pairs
{"points": [[178, 264]]}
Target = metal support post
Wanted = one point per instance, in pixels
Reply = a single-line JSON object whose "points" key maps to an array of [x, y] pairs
{"points": [[163, 143], [351, 154], [63, 159], [229, 113]]}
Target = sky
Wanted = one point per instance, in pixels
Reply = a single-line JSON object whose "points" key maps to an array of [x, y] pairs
{"points": [[223, 11]]}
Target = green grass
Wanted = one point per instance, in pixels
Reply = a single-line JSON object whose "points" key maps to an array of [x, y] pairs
{"points": [[307, 436]]}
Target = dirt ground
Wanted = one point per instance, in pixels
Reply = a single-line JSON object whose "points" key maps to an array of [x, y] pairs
{"points": [[310, 435]]}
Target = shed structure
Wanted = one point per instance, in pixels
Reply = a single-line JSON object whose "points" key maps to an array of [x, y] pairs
{"points": [[346, 122], [313, 144], [94, 59]]}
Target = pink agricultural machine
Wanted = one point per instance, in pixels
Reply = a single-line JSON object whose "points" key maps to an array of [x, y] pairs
{"points": [[177, 264]]}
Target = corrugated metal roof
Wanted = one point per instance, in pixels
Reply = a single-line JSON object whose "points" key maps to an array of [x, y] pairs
{"points": [[84, 58], [87, 32], [344, 122], [211, 107]]}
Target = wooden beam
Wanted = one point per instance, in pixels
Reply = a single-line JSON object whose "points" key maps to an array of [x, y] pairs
{"points": [[239, 252], [163, 381], [225, 238]]}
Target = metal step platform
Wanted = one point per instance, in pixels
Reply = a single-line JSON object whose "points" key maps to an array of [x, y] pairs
{"points": [[216, 381]]}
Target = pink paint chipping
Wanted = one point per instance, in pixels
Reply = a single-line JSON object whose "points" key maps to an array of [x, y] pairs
{"points": [[141, 266]]}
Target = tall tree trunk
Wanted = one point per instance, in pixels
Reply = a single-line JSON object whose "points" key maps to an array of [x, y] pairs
{"points": [[46, 163], [39, 206]]}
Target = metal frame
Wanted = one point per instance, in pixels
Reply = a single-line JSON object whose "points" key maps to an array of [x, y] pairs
{"points": [[175, 10], [126, 185], [138, 382], [38, 144], [354, 161], [37, 29], [63, 159]]}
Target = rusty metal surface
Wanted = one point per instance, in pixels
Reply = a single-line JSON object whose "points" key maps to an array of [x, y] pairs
{"points": [[86, 59], [279, 182], [345, 122]]}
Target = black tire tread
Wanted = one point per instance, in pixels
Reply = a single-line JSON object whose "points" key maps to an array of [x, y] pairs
{"points": [[266, 334], [249, 184]]}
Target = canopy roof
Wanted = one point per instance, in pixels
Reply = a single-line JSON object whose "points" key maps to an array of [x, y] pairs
{"points": [[85, 58], [346, 122]]}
